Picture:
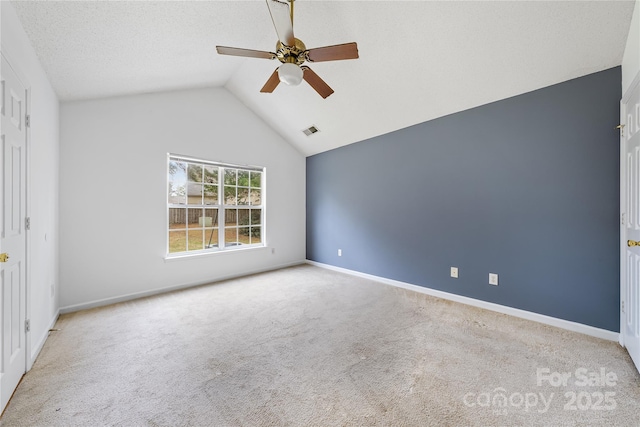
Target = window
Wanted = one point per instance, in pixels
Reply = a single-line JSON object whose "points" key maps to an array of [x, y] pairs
{"points": [[213, 206]]}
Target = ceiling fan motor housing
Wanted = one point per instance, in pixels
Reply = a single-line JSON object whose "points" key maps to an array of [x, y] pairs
{"points": [[295, 54]]}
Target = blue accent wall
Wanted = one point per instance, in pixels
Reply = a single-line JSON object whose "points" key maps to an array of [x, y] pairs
{"points": [[526, 187]]}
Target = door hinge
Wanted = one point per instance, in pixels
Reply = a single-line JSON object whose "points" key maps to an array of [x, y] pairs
{"points": [[27, 325], [622, 219], [27, 223], [622, 306], [27, 120], [621, 127]]}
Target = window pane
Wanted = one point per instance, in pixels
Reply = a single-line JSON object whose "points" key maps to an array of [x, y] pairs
{"points": [[213, 215], [230, 176], [194, 172], [195, 218], [256, 216], [230, 217], [177, 169], [194, 194], [211, 174], [243, 235], [231, 236], [177, 182], [196, 241], [256, 179], [243, 178], [255, 235], [177, 241], [210, 194], [210, 238], [177, 218], [243, 196], [205, 221], [230, 195], [243, 217], [177, 195], [256, 197]]}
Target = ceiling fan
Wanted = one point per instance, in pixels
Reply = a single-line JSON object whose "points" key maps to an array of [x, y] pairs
{"points": [[293, 53]]}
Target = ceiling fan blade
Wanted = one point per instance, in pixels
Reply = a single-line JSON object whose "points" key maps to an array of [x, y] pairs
{"points": [[333, 53], [316, 82], [282, 20], [272, 83], [236, 51]]}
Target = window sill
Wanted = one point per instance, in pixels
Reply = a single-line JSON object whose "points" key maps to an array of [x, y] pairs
{"points": [[185, 256]]}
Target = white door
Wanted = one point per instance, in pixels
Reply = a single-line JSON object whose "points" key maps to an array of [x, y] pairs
{"points": [[12, 232], [630, 197]]}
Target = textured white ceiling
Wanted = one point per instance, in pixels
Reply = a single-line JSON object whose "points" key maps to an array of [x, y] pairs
{"points": [[419, 60]]}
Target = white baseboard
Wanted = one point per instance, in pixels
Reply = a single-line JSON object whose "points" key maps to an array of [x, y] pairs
{"points": [[38, 348], [136, 295], [523, 314]]}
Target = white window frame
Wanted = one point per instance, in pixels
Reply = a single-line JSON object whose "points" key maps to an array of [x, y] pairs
{"points": [[222, 208]]}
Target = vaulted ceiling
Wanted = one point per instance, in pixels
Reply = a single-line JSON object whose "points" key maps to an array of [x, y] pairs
{"points": [[419, 60]]}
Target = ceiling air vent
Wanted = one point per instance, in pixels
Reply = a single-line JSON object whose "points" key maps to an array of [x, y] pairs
{"points": [[311, 130]]}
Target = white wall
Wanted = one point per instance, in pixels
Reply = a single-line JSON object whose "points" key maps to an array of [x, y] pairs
{"points": [[631, 58], [113, 191], [42, 306]]}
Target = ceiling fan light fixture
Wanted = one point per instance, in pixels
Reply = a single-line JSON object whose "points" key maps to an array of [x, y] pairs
{"points": [[290, 74]]}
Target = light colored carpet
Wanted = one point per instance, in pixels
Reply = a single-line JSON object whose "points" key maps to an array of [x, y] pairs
{"points": [[306, 346]]}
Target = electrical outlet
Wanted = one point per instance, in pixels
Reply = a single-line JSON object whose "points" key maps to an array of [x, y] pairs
{"points": [[339, 252], [273, 250], [454, 272], [493, 279], [53, 290]]}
